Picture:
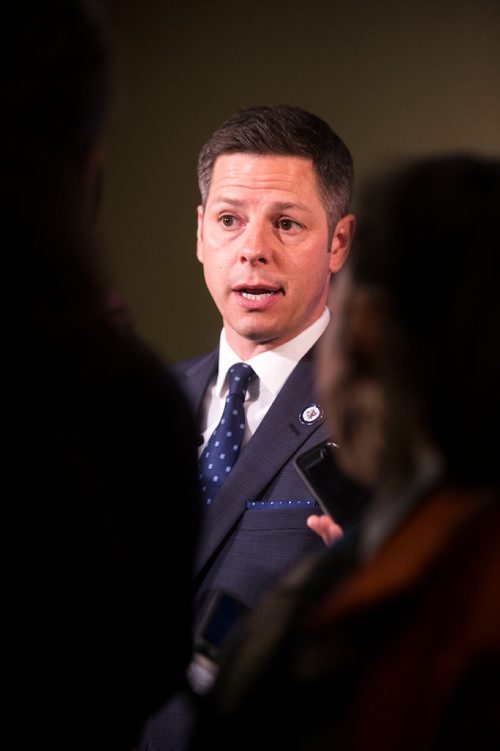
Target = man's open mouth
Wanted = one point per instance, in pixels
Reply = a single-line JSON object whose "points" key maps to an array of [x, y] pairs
{"points": [[257, 294]]}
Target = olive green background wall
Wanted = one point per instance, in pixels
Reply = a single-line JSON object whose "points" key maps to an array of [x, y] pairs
{"points": [[392, 78]]}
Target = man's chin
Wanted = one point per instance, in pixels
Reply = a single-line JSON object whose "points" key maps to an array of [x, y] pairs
{"points": [[257, 336]]}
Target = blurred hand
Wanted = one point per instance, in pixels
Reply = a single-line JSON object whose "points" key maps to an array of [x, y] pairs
{"points": [[325, 527]]}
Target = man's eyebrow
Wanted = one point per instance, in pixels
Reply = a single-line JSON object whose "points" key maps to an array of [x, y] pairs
{"points": [[276, 205], [230, 201], [284, 205]]}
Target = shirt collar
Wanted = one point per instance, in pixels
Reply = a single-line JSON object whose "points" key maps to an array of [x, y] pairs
{"points": [[274, 366]]}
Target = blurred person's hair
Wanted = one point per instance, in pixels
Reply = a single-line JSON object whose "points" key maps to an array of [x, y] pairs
{"points": [[428, 243], [56, 82]]}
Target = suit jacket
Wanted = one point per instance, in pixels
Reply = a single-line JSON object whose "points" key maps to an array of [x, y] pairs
{"points": [[255, 530], [402, 652]]}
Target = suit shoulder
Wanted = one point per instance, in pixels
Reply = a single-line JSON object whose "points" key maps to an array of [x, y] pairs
{"points": [[184, 368]]}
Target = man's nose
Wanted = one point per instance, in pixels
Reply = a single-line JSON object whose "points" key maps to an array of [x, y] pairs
{"points": [[257, 243]]}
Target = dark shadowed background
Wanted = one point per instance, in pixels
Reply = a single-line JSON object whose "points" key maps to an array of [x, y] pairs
{"points": [[393, 78]]}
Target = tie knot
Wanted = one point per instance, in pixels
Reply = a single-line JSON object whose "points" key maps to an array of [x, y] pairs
{"points": [[239, 378]]}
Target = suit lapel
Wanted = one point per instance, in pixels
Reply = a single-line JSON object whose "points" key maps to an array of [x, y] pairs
{"points": [[195, 377], [279, 436]]}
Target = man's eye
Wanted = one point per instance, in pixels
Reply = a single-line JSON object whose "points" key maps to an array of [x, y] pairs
{"points": [[227, 220], [288, 224]]}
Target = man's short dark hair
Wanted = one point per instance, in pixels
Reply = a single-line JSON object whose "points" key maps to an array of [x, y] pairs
{"points": [[285, 130]]}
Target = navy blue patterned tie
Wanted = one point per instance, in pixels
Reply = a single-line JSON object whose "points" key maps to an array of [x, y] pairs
{"points": [[224, 444]]}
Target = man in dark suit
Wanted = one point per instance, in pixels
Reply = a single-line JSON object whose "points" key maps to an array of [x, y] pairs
{"points": [[273, 226], [391, 639]]}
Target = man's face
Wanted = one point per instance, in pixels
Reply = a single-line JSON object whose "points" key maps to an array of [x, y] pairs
{"points": [[262, 239]]}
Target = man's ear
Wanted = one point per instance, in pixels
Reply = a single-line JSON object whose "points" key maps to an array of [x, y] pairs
{"points": [[199, 235], [341, 241]]}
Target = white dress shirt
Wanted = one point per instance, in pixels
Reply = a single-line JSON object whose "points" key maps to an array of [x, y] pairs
{"points": [[272, 369]]}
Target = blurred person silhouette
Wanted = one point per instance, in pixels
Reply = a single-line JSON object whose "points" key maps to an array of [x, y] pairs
{"points": [[274, 224], [390, 639], [98, 547]]}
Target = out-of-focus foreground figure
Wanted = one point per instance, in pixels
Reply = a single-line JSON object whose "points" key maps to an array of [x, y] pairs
{"points": [[98, 552]]}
